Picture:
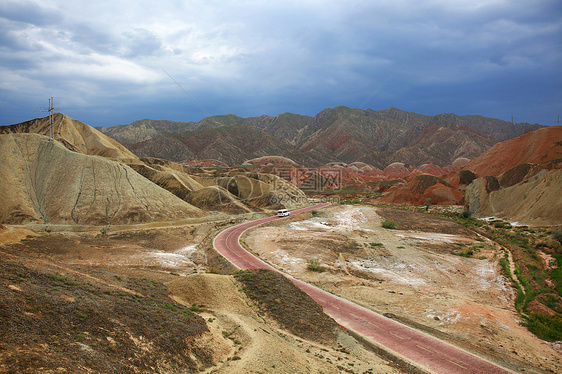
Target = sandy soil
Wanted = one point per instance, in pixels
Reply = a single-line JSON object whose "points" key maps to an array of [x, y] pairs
{"points": [[244, 338], [417, 276], [258, 344]]}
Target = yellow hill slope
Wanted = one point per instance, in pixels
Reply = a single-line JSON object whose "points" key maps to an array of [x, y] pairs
{"points": [[40, 180], [75, 135]]}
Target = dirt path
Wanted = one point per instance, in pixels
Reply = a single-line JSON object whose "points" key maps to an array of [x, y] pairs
{"points": [[512, 271]]}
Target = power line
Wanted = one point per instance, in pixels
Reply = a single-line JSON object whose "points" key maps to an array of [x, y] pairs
{"points": [[378, 88], [187, 93]]}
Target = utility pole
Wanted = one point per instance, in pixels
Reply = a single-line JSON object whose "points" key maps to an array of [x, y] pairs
{"points": [[51, 110]]}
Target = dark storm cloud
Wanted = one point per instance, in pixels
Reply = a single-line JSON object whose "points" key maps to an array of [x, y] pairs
{"points": [[103, 60]]}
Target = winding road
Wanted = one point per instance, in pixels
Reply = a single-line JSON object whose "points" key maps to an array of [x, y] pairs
{"points": [[422, 350]]}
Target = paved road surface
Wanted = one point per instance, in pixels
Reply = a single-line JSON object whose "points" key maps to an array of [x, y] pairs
{"points": [[423, 350]]}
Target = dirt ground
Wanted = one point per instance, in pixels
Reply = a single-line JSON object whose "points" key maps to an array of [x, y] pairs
{"points": [[429, 272], [109, 302]]}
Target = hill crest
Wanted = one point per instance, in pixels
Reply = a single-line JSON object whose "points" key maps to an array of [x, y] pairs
{"points": [[74, 135]]}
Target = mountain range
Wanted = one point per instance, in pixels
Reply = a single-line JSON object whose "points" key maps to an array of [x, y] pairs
{"points": [[338, 134]]}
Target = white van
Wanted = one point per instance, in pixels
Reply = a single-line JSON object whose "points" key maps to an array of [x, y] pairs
{"points": [[283, 213]]}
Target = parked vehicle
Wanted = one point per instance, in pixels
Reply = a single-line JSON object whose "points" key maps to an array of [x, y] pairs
{"points": [[283, 213]]}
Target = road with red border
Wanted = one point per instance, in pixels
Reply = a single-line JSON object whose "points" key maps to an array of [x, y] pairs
{"points": [[424, 351]]}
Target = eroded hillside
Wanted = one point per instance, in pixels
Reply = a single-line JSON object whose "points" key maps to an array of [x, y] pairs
{"points": [[42, 181]]}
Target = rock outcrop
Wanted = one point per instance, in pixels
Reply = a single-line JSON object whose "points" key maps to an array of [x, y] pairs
{"points": [[232, 192], [42, 181], [533, 201], [255, 190], [520, 179]]}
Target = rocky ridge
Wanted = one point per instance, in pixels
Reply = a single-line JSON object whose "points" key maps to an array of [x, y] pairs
{"points": [[338, 134]]}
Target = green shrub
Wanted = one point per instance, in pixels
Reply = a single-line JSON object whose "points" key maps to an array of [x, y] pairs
{"points": [[545, 327], [469, 252], [504, 263], [314, 265], [389, 225]]}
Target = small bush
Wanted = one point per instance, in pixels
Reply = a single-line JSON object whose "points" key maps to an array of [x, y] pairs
{"points": [[389, 225], [465, 214], [82, 316], [314, 265], [502, 225], [469, 252]]}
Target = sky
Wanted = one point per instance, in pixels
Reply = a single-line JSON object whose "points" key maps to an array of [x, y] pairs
{"points": [[114, 62]]}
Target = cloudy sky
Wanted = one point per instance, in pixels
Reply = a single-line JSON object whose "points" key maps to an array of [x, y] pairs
{"points": [[114, 62]]}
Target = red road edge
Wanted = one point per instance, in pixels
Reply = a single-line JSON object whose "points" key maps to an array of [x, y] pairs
{"points": [[422, 350]]}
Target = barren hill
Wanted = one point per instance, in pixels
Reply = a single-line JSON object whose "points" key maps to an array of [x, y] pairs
{"points": [[520, 179], [75, 135], [424, 188], [535, 147], [40, 180], [334, 135]]}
